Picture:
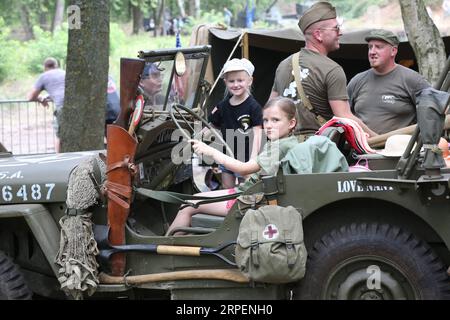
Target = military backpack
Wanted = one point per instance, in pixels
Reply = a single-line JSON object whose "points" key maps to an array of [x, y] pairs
{"points": [[270, 245]]}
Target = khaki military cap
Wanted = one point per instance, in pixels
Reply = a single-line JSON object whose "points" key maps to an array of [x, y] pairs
{"points": [[383, 35], [317, 12]]}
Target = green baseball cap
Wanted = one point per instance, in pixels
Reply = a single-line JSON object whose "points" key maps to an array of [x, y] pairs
{"points": [[384, 35], [317, 12]]}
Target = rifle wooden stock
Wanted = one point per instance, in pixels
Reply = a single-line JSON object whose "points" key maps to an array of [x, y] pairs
{"points": [[233, 275], [130, 75], [379, 141]]}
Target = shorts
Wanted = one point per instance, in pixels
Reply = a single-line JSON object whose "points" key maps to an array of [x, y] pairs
{"points": [[55, 122], [231, 202], [225, 170]]}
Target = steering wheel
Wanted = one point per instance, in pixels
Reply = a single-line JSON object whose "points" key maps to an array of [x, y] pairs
{"points": [[178, 107]]}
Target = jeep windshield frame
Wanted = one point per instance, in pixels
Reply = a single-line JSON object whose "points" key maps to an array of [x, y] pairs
{"points": [[180, 89]]}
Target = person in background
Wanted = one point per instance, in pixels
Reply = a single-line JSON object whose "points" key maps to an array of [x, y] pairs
{"points": [[112, 103], [228, 15], [383, 97], [151, 85], [250, 10], [238, 116], [323, 80], [51, 80]]}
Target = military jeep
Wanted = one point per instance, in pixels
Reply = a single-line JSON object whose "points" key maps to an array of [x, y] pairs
{"points": [[383, 234]]}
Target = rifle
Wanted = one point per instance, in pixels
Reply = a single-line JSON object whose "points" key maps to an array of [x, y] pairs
{"points": [[121, 149], [379, 141], [130, 75]]}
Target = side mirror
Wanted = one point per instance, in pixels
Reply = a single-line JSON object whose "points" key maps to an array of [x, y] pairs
{"points": [[180, 64]]}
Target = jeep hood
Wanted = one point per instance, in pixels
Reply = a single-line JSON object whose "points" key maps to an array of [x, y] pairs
{"points": [[37, 178]]}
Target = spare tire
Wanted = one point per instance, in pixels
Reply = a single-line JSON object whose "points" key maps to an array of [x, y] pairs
{"points": [[12, 282], [372, 262]]}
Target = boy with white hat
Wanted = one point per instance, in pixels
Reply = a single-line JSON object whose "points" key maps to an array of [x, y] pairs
{"points": [[238, 116]]}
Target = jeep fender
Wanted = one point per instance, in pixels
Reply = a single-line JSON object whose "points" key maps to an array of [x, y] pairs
{"points": [[311, 192], [42, 225]]}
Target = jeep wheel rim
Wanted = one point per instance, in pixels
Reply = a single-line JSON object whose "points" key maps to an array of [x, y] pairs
{"points": [[368, 278]]}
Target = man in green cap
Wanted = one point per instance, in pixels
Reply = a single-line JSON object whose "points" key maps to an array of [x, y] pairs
{"points": [[323, 80], [384, 96]]}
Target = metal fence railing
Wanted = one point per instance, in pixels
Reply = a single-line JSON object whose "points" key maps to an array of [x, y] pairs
{"points": [[26, 127]]}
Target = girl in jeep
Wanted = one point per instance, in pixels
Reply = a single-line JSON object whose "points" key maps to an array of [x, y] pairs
{"points": [[279, 123]]}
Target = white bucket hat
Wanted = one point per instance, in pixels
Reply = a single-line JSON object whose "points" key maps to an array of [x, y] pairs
{"points": [[395, 145], [238, 65]]}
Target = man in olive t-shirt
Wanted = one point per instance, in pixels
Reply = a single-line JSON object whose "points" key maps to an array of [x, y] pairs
{"points": [[322, 79], [384, 96]]}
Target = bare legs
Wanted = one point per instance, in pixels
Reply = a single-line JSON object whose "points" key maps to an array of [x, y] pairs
{"points": [[183, 218]]}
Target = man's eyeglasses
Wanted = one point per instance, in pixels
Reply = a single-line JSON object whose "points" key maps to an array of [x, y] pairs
{"points": [[336, 28]]}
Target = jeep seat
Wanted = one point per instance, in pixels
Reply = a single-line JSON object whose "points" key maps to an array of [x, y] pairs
{"points": [[201, 220], [335, 134], [201, 224]]}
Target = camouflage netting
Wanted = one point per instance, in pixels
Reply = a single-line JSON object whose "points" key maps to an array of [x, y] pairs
{"points": [[76, 257], [81, 192], [77, 250]]}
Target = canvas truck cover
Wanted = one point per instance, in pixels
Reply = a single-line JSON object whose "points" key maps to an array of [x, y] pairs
{"points": [[267, 48]]}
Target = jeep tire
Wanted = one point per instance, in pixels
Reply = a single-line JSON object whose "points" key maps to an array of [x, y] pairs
{"points": [[12, 282], [372, 262]]}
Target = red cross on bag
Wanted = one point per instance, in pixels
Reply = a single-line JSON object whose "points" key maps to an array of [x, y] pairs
{"points": [[270, 232]]}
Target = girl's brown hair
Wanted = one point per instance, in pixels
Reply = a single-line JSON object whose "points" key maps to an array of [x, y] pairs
{"points": [[285, 104]]}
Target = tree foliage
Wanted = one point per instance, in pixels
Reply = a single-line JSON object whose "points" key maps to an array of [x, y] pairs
{"points": [[353, 9], [42, 12], [8, 50]]}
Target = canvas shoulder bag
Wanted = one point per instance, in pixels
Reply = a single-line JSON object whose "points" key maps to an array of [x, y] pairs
{"points": [[307, 118], [270, 245]]}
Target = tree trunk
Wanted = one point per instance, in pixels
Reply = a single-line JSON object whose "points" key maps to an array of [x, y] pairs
{"points": [[43, 21], [156, 21], [194, 8], [197, 9], [83, 115], [59, 15], [180, 4], [137, 19], [424, 38], [160, 23], [26, 23]]}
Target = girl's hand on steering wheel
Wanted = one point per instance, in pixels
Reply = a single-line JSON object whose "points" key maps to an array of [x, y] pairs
{"points": [[201, 148]]}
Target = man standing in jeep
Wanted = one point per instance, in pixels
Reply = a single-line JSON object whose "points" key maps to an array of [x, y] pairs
{"points": [[384, 96], [323, 80]]}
